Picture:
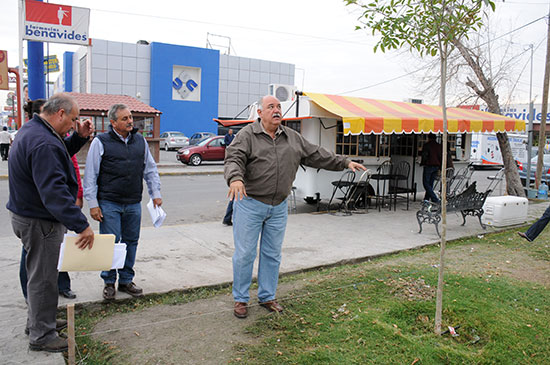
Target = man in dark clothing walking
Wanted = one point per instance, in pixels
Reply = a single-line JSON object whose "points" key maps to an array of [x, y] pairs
{"points": [[431, 160], [42, 203]]}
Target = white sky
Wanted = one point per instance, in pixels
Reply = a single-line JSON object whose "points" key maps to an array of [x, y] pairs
{"points": [[317, 36]]}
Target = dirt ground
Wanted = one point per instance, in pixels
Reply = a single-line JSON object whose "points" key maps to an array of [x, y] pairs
{"points": [[206, 332]]}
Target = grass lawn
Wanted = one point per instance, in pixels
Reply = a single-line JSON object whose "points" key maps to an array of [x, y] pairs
{"points": [[380, 312]]}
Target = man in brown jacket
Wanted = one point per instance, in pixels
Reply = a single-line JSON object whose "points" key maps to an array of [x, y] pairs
{"points": [[260, 167]]}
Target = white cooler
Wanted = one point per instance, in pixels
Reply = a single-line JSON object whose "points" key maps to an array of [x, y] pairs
{"points": [[500, 211]]}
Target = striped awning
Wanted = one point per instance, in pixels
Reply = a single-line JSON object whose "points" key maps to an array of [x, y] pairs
{"points": [[366, 116]]}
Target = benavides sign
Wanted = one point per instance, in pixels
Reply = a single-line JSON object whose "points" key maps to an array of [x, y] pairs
{"points": [[47, 22]]}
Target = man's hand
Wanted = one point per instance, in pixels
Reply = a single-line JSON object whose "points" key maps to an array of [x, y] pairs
{"points": [[85, 239], [236, 190], [96, 214], [157, 202], [84, 128], [354, 166]]}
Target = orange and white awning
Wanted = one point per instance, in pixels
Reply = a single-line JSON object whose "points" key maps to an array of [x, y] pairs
{"points": [[366, 116]]}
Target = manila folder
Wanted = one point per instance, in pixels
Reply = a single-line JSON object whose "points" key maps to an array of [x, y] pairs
{"points": [[98, 258]]}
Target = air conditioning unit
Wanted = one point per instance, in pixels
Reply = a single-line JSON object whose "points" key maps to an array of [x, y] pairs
{"points": [[283, 92], [414, 101]]}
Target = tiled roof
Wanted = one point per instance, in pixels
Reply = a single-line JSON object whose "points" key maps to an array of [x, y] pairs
{"points": [[102, 102]]}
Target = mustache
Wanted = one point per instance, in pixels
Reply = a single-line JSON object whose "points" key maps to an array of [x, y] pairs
{"points": [[275, 115]]}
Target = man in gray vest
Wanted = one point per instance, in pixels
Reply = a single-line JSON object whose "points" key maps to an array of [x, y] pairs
{"points": [[118, 161]]}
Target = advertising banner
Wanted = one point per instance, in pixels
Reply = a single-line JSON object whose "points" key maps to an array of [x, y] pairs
{"points": [[4, 79], [47, 22]]}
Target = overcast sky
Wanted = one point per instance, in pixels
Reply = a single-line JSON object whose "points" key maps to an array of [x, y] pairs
{"points": [[317, 36]]}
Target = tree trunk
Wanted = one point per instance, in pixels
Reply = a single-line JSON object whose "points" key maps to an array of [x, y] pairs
{"points": [[487, 93], [440, 280]]}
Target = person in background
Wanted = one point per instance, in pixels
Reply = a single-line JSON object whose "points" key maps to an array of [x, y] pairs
{"points": [[228, 218], [431, 160], [260, 166], [118, 161], [5, 141], [63, 279], [42, 199]]}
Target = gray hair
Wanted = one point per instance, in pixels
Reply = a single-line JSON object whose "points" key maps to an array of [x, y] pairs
{"points": [[261, 102], [57, 102], [114, 110]]}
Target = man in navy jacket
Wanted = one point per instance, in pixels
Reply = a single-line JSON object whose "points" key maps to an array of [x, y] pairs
{"points": [[43, 189]]}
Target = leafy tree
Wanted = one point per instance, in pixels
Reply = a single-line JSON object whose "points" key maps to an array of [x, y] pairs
{"points": [[429, 27]]}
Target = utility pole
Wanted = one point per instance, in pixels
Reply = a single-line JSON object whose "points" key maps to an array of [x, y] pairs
{"points": [[530, 129], [544, 111]]}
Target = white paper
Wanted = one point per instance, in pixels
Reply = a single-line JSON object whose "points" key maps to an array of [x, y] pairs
{"points": [[157, 214], [119, 256]]}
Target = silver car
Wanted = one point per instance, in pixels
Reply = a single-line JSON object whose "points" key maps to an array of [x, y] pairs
{"points": [[173, 140], [545, 170]]}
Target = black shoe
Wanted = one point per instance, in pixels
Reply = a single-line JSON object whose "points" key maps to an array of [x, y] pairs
{"points": [[58, 344], [109, 292], [69, 294], [227, 223], [60, 324], [131, 289], [523, 235]]}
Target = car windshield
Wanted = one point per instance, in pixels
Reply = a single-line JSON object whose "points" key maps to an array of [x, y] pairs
{"points": [[203, 142], [177, 134]]}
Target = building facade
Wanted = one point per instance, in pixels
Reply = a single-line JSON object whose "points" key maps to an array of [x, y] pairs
{"points": [[190, 86]]}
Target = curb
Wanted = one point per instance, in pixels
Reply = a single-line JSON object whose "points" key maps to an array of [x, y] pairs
{"points": [[191, 173]]}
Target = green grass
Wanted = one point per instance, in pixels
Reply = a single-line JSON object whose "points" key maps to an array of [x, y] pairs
{"points": [[382, 311]]}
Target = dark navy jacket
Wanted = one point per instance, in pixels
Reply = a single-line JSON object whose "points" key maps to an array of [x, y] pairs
{"points": [[42, 179]]}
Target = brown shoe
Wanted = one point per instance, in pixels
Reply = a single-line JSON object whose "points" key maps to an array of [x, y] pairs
{"points": [[272, 306], [109, 292], [58, 344], [131, 289], [240, 310]]}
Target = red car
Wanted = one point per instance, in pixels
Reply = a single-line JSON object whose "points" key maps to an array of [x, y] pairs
{"points": [[210, 149]]}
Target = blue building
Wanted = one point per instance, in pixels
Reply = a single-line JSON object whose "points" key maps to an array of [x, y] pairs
{"points": [[189, 85]]}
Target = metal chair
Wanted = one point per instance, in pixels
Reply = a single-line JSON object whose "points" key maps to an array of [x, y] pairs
{"points": [[359, 195], [344, 186], [383, 176], [400, 183]]}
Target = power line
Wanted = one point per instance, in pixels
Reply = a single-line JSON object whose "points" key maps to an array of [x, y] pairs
{"points": [[232, 26]]}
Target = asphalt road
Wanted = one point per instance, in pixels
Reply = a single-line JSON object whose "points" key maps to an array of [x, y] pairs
{"points": [[186, 199]]}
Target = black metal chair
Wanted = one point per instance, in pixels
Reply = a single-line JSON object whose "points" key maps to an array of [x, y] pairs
{"points": [[382, 177], [359, 196], [344, 186], [400, 183]]}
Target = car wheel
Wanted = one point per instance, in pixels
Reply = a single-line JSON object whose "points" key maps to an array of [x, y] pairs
{"points": [[195, 160], [166, 147]]}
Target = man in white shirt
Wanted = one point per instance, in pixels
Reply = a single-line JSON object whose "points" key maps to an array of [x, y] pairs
{"points": [[5, 141]]}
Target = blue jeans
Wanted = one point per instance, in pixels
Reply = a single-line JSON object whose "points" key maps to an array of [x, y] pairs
{"points": [[537, 227], [124, 221], [228, 212], [63, 279], [429, 174], [252, 220]]}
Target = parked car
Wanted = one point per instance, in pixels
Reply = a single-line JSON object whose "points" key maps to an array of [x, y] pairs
{"points": [[199, 136], [210, 149], [173, 140], [545, 170]]}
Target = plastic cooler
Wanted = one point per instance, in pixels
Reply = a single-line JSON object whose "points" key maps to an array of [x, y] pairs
{"points": [[500, 211]]}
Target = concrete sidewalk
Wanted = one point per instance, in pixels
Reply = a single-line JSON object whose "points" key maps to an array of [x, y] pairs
{"points": [[195, 255]]}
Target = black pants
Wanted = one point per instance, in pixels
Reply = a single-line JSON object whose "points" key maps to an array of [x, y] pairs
{"points": [[4, 150]]}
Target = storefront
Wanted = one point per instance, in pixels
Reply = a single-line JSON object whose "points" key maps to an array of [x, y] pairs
{"points": [[96, 107], [374, 131]]}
